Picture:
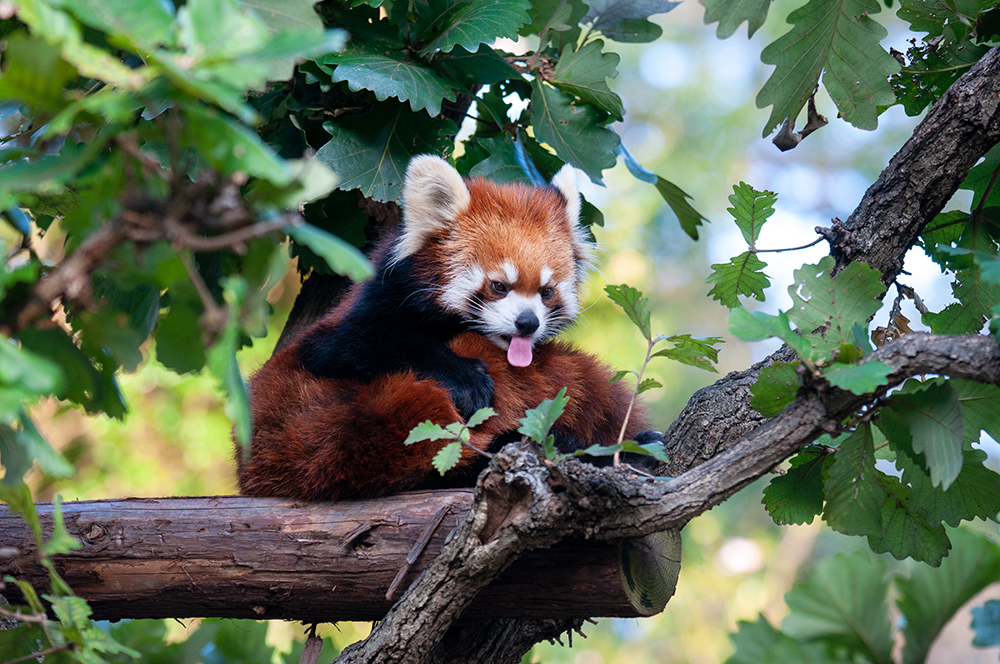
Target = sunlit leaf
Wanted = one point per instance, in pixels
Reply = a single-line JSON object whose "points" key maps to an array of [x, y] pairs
{"points": [[742, 275], [840, 39], [858, 378], [342, 257], [572, 130], [636, 307], [537, 422], [447, 457], [689, 218], [584, 72]]}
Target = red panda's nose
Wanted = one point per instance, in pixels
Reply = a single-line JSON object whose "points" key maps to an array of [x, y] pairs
{"points": [[526, 323]]}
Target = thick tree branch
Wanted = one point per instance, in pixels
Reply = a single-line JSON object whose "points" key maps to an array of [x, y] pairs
{"points": [[525, 503]]}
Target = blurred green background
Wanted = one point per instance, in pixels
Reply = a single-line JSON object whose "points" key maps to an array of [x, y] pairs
{"points": [[691, 118]]}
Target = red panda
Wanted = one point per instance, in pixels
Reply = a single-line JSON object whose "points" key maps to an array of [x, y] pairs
{"points": [[459, 315]]}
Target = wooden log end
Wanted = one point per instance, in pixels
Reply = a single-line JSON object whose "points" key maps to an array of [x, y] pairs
{"points": [[649, 569]]}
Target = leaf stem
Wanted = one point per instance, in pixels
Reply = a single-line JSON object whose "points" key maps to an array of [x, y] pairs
{"points": [[987, 191], [471, 446], [616, 459]]}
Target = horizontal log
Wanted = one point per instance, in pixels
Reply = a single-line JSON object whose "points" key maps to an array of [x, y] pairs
{"points": [[244, 557]]}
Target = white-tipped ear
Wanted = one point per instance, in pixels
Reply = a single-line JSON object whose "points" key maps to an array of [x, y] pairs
{"points": [[434, 194], [565, 182]]}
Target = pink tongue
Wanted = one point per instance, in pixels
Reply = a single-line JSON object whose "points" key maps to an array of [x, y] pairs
{"points": [[519, 353]]}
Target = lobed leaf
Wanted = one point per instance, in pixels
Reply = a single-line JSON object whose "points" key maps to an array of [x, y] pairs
{"points": [[730, 14], [858, 378], [906, 531], [572, 131], [584, 73], [934, 418], [370, 151], [797, 496], [742, 275], [479, 417], [776, 388], [426, 430], [389, 71], [447, 457], [445, 24], [838, 38], [751, 210], [853, 496], [625, 20], [634, 304], [537, 422]]}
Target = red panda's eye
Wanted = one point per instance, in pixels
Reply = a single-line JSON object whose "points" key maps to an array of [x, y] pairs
{"points": [[545, 292], [499, 287]]}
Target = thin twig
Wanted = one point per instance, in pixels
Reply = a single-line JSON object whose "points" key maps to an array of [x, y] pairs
{"points": [[41, 653], [129, 146], [216, 315], [775, 251], [20, 617], [235, 239]]}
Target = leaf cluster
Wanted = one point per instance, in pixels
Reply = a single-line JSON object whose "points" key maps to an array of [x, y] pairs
{"points": [[840, 612]]}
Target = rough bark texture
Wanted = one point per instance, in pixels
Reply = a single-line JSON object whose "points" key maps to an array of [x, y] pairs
{"points": [[242, 557]]}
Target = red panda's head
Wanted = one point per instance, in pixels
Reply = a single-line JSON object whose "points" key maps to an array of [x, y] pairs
{"points": [[509, 258]]}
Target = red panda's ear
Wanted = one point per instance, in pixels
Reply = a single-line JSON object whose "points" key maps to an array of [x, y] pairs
{"points": [[434, 194], [565, 182]]}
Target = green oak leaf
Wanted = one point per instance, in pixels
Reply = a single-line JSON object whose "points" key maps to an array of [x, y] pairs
{"points": [[537, 422], [839, 38], [835, 303], [426, 430], [843, 601], [626, 20], [853, 496], [974, 493], [934, 418], [858, 378], [689, 218], [634, 304], [370, 151], [731, 14], [647, 384], [906, 531], [388, 70], [797, 496], [447, 457], [758, 326], [571, 130], [976, 298], [479, 417], [500, 164], [584, 73], [980, 404], [445, 24], [742, 275], [930, 597], [751, 209], [691, 351], [472, 68], [776, 387]]}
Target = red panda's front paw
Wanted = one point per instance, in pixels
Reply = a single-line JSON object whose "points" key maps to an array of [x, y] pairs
{"points": [[468, 381]]}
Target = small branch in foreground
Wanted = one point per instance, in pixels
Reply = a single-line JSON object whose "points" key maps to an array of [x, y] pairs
{"points": [[40, 655]]}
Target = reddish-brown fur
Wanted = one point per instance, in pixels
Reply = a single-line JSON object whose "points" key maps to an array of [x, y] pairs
{"points": [[317, 439]]}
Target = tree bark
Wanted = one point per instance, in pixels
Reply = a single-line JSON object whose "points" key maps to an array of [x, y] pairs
{"points": [[259, 558]]}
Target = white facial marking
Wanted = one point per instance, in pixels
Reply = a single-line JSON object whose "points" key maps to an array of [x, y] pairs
{"points": [[509, 271], [498, 317], [461, 288], [567, 291], [546, 275]]}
